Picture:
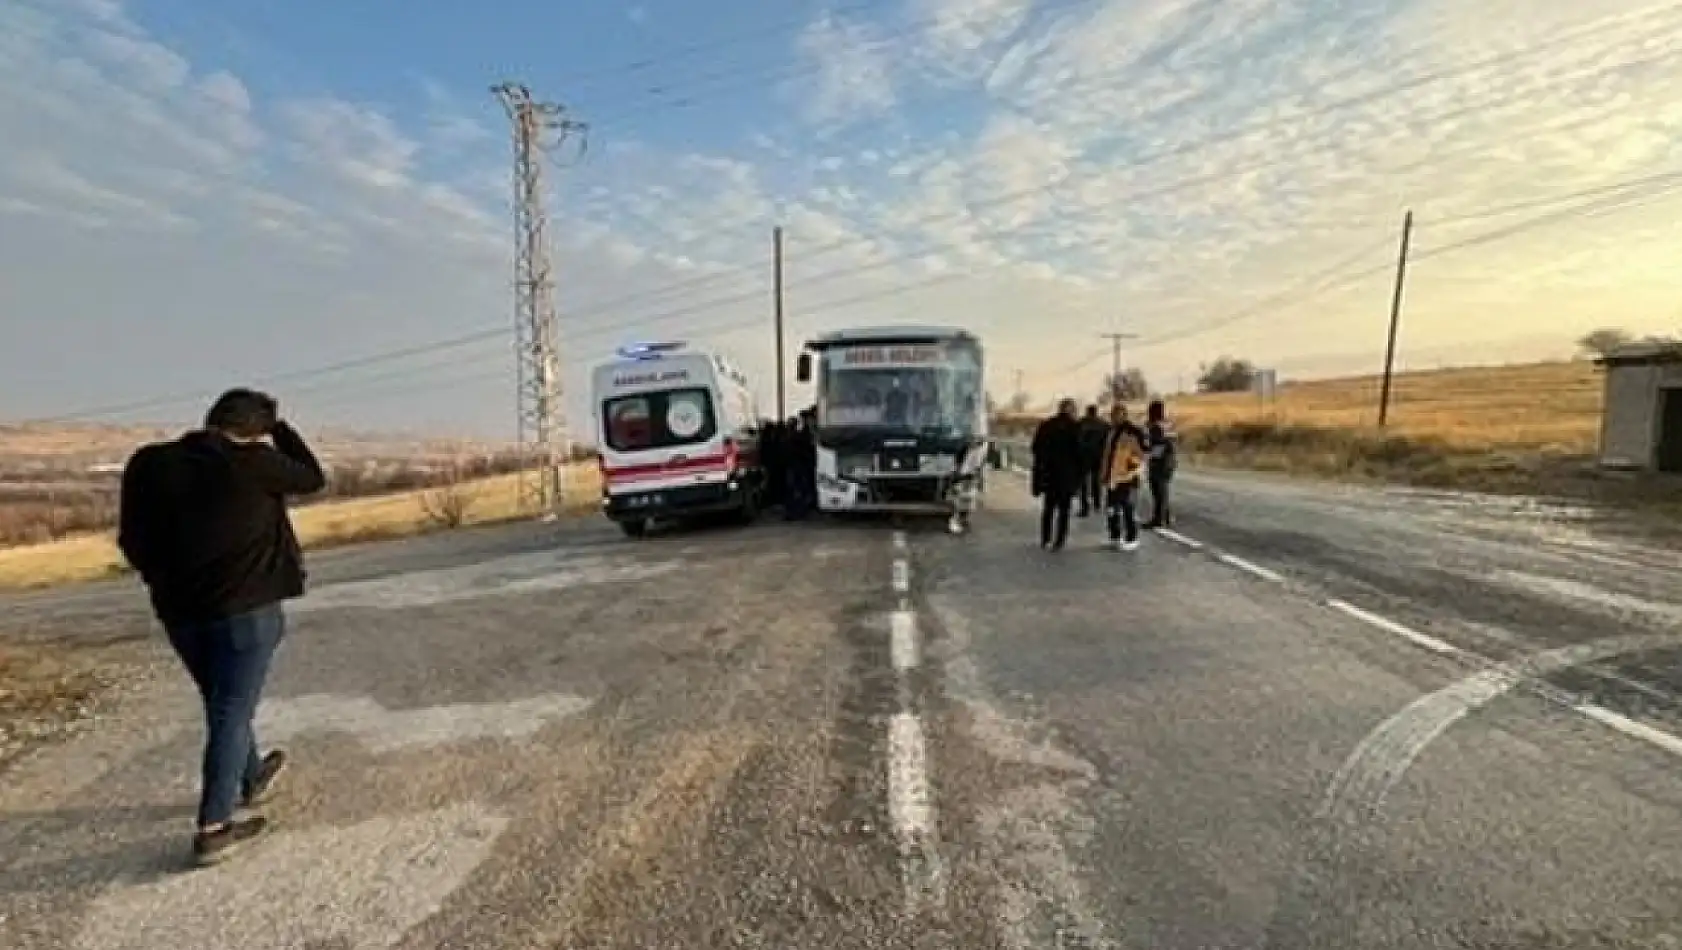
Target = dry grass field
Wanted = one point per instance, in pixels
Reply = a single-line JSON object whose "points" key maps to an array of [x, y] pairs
{"points": [[90, 556], [1544, 408], [1522, 429]]}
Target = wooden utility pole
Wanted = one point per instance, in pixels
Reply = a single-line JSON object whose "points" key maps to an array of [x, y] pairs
{"points": [[1115, 363], [1395, 320], [777, 310]]}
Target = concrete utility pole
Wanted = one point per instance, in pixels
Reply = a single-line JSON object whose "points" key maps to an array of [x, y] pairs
{"points": [[777, 311], [538, 128], [1395, 320], [1115, 362]]}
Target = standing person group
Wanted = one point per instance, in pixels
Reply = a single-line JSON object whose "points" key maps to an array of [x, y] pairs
{"points": [[203, 521], [1103, 464], [790, 454]]}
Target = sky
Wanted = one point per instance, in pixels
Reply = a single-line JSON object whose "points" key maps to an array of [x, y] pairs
{"points": [[314, 196]]}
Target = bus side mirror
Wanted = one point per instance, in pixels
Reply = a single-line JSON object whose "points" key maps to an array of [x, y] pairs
{"points": [[803, 368]]}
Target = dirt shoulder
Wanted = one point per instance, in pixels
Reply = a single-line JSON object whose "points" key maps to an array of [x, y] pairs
{"points": [[52, 687]]}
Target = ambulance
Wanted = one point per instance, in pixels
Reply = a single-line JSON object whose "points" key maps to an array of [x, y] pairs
{"points": [[678, 431]]}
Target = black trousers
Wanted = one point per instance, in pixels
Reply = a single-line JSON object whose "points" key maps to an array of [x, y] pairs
{"points": [[1054, 517], [1091, 487], [1120, 506], [1161, 514]]}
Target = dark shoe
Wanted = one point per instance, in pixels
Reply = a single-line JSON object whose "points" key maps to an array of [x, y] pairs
{"points": [[1151, 525], [211, 847], [263, 788]]}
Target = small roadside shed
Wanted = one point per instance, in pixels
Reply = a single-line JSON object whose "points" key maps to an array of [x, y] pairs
{"points": [[1641, 418]]}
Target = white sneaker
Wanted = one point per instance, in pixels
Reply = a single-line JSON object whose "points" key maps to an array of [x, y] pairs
{"points": [[1118, 545], [1130, 545]]}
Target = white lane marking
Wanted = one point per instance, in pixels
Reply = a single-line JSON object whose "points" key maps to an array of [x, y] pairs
{"points": [[1390, 626], [384, 730], [903, 629], [364, 886], [1380, 760], [899, 540], [902, 576], [1250, 567], [1179, 538], [909, 805], [1631, 728]]}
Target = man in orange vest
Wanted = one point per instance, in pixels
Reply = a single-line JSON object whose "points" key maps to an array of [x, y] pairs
{"points": [[1124, 465]]}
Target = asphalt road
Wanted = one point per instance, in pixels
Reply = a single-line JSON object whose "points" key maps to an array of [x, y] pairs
{"points": [[1312, 717]]}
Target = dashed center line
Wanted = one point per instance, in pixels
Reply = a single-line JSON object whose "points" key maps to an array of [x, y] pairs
{"points": [[903, 631], [911, 809]]}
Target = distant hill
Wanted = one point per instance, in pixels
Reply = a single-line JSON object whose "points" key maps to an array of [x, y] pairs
{"points": [[51, 446]]}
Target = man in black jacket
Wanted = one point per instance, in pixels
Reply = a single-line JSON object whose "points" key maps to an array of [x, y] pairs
{"points": [[203, 521], [1094, 435], [1058, 469], [1159, 439]]}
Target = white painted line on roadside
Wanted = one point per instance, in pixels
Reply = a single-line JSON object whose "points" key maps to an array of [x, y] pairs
{"points": [[902, 576], [1250, 567], [1390, 626], [1631, 728], [1179, 538], [910, 807], [899, 540], [903, 625]]}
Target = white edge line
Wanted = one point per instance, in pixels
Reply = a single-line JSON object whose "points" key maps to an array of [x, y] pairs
{"points": [[1631, 728], [904, 640], [1251, 567], [1390, 626], [899, 540], [902, 576], [1179, 538]]}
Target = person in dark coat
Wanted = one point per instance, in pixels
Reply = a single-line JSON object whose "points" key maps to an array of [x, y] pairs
{"points": [[802, 450], [1160, 441], [1094, 434], [773, 454], [203, 521], [1058, 467]]}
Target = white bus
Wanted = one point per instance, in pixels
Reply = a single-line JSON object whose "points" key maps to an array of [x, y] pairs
{"points": [[678, 433], [901, 420]]}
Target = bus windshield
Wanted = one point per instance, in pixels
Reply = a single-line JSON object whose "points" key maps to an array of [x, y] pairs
{"points": [[920, 388]]}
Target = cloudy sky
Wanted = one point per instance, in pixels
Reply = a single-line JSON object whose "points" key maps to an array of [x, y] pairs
{"points": [[194, 194]]}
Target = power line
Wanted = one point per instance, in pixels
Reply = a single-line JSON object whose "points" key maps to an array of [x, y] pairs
{"points": [[1505, 58], [472, 337]]}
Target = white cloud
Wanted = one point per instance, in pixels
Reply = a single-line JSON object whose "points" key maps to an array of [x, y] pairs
{"points": [[854, 71], [1037, 171]]}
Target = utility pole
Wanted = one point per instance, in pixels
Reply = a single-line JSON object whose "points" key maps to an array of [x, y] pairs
{"points": [[538, 127], [1395, 320], [777, 307], [1115, 362]]}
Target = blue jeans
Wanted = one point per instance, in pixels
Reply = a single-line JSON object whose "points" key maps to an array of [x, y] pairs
{"points": [[229, 662]]}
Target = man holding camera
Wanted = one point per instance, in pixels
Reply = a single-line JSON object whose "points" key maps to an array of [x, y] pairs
{"points": [[203, 521]]}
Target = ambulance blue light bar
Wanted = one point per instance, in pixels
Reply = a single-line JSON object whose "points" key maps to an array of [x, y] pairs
{"points": [[649, 351]]}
